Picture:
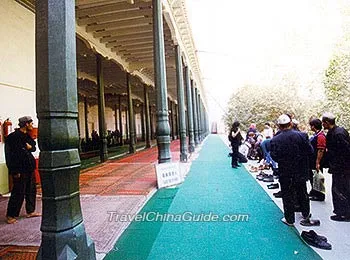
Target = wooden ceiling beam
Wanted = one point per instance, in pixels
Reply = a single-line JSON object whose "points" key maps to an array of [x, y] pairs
{"points": [[129, 37], [119, 24], [127, 44], [124, 31], [109, 8], [114, 16]]}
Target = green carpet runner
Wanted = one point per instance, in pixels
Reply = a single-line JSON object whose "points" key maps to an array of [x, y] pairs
{"points": [[244, 221]]}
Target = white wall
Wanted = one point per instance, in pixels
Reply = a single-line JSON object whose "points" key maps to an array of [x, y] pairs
{"points": [[17, 69]]}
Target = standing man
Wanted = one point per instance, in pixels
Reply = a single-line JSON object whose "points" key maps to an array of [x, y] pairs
{"points": [[318, 142], [338, 149], [21, 165], [290, 149], [235, 139]]}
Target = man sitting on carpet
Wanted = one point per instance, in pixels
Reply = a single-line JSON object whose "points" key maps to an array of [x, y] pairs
{"points": [[290, 149]]}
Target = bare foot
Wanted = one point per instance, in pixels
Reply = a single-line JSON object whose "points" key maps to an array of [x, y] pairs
{"points": [[11, 220], [33, 215]]}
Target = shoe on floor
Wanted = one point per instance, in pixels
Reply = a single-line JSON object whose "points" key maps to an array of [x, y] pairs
{"points": [[273, 186], [340, 218], [278, 194], [287, 223], [315, 241], [312, 235], [11, 220], [310, 222], [269, 178], [33, 215], [315, 198]]}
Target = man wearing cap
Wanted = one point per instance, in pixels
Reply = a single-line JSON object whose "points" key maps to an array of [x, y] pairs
{"points": [[338, 154], [290, 149], [21, 165]]}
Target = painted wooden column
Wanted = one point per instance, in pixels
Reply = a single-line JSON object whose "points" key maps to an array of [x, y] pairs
{"points": [[181, 104], [177, 135], [191, 143], [163, 128], [101, 109], [132, 147], [86, 121], [127, 134], [143, 134], [62, 226], [195, 115], [147, 117], [171, 119], [115, 116], [151, 122], [121, 141], [199, 116]]}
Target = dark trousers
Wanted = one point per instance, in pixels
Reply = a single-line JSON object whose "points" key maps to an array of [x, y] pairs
{"points": [[341, 194], [23, 189], [234, 157], [294, 193]]}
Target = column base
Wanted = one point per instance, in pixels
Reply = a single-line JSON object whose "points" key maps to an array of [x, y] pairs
{"points": [[70, 244]]}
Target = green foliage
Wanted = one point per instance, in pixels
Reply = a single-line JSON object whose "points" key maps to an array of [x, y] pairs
{"points": [[257, 104], [337, 88]]}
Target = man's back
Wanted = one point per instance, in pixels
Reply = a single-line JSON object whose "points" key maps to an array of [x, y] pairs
{"points": [[291, 150]]}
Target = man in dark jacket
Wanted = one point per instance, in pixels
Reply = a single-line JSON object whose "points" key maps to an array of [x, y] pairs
{"points": [[290, 149], [235, 139], [338, 154], [21, 165]]}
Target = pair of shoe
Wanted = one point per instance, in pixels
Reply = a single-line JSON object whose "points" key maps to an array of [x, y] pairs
{"points": [[286, 222], [261, 175], [313, 239], [273, 186], [278, 194], [340, 218], [253, 169], [269, 178]]}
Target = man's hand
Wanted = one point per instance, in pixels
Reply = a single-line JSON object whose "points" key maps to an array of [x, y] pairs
{"points": [[16, 175], [28, 146]]}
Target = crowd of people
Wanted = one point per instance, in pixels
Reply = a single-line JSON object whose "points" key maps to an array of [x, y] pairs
{"points": [[295, 158]]}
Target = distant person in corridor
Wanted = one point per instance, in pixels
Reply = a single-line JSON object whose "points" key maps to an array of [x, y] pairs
{"points": [[21, 165], [338, 154], [235, 139]]}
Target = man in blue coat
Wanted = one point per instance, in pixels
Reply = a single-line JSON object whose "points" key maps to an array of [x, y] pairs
{"points": [[291, 150]]}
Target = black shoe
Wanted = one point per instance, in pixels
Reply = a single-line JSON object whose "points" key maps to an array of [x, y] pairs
{"points": [[315, 241], [310, 222], [340, 218], [273, 186], [278, 194], [268, 178], [312, 234]]}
